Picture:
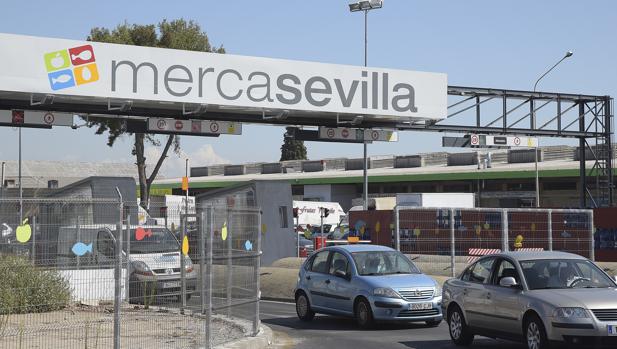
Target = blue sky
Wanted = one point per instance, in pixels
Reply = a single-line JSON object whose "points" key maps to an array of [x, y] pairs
{"points": [[500, 44]]}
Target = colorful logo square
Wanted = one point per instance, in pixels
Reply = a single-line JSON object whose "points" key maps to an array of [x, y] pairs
{"points": [[82, 55], [61, 79], [86, 73], [57, 60], [72, 67]]}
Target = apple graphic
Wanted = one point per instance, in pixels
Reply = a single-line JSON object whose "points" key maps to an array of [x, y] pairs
{"points": [[23, 232], [57, 61]]}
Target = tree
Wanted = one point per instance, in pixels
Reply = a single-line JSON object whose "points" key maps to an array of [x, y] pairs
{"points": [[292, 149], [176, 34]]}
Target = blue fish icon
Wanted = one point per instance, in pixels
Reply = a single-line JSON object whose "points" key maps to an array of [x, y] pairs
{"points": [[248, 245], [80, 249]]}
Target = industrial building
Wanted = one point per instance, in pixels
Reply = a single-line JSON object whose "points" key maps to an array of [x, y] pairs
{"points": [[499, 178]]}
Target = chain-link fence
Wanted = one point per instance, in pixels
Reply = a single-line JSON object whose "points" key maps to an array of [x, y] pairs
{"points": [[102, 274], [444, 241]]}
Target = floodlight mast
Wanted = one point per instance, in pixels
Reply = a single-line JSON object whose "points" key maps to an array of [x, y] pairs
{"points": [[365, 5], [567, 55]]}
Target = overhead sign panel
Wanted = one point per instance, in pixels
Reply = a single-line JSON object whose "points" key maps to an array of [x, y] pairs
{"points": [[197, 127], [476, 140], [35, 118], [356, 134], [79, 68]]}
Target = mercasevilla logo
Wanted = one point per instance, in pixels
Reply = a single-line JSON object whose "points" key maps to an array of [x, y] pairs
{"points": [[373, 89], [69, 67]]}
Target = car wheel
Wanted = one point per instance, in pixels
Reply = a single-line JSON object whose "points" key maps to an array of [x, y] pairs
{"points": [[459, 332], [536, 334], [364, 314], [433, 323], [303, 308]]}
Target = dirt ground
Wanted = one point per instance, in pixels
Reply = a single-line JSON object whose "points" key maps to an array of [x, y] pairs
{"points": [[87, 327]]}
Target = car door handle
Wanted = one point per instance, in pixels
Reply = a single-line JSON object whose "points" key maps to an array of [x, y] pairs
{"points": [[327, 281], [308, 277]]}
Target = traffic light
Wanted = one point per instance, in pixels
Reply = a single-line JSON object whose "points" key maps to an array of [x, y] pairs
{"points": [[325, 212]]}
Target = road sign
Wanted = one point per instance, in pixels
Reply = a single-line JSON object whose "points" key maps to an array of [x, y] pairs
{"points": [[381, 135], [193, 127], [35, 118], [357, 134]]}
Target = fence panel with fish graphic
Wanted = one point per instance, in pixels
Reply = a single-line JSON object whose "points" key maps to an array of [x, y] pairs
{"points": [[69, 279]]}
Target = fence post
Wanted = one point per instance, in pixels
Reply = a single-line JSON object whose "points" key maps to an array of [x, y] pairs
{"points": [[202, 260], [33, 240], [550, 230], [229, 261], [128, 259], [183, 265], [78, 226], [504, 230], [592, 243], [118, 273], [452, 244], [209, 273], [256, 321], [397, 227]]}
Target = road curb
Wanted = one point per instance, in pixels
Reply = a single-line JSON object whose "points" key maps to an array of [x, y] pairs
{"points": [[275, 299], [263, 339]]}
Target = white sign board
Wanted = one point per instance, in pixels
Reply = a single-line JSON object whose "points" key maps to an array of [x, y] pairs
{"points": [[356, 134], [503, 141], [35, 118], [79, 68]]}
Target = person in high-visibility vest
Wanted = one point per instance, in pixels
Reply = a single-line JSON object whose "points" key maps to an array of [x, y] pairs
{"points": [[307, 232]]}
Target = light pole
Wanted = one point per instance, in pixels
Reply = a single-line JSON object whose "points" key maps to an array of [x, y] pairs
{"points": [[567, 55], [365, 5]]}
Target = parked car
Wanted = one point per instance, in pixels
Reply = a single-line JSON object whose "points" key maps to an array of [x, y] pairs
{"points": [[534, 297], [305, 246], [369, 283]]}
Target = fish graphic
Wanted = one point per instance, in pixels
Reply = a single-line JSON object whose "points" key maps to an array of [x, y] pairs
{"points": [[80, 249], [185, 246], [61, 79], [248, 245], [141, 233]]}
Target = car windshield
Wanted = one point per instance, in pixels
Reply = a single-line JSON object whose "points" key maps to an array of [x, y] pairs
{"points": [[564, 273], [152, 240], [383, 263]]}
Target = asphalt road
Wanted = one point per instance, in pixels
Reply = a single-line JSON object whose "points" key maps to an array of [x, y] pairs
{"points": [[334, 332]]}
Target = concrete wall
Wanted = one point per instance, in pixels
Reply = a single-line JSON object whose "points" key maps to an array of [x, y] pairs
{"points": [[278, 240], [318, 192], [344, 194]]}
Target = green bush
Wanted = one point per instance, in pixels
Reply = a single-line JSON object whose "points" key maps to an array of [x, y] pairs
{"points": [[25, 288]]}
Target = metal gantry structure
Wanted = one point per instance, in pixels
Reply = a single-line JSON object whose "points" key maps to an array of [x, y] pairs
{"points": [[587, 118]]}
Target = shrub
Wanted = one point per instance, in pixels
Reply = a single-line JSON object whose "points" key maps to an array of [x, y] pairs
{"points": [[25, 288]]}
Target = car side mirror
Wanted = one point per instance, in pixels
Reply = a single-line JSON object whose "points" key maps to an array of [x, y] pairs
{"points": [[341, 274], [509, 282]]}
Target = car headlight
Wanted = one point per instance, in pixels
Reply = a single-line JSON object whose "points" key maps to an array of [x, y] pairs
{"points": [[570, 313], [141, 268], [385, 292], [188, 264], [438, 290]]}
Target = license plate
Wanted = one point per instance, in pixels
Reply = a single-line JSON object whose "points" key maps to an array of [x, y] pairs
{"points": [[171, 284], [612, 330], [420, 306]]}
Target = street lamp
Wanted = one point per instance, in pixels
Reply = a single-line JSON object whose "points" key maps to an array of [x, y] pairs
{"points": [[567, 55], [365, 5]]}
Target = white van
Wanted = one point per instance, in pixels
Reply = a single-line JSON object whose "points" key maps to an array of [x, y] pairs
{"points": [[154, 262]]}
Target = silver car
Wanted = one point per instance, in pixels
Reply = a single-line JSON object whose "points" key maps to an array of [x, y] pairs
{"points": [[540, 298]]}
